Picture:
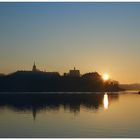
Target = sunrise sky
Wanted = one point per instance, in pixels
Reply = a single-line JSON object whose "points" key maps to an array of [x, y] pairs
{"points": [[102, 37]]}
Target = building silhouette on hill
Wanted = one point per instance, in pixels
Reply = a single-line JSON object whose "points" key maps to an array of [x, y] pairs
{"points": [[35, 80], [1, 74], [34, 68], [74, 73]]}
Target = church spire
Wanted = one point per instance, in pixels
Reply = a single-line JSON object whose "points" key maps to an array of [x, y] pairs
{"points": [[34, 67]]}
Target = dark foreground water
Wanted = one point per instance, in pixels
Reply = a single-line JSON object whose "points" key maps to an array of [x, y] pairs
{"points": [[70, 115]]}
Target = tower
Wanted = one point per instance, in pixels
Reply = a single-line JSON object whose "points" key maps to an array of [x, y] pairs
{"points": [[74, 73], [34, 67]]}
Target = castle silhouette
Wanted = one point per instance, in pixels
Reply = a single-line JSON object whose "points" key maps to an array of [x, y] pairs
{"points": [[72, 73], [42, 81]]}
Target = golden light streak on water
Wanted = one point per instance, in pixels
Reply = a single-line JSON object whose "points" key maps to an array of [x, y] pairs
{"points": [[105, 101]]}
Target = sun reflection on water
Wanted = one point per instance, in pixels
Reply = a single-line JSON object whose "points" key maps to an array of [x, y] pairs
{"points": [[105, 101]]}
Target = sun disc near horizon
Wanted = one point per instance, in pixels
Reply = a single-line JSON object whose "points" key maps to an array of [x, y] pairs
{"points": [[105, 77]]}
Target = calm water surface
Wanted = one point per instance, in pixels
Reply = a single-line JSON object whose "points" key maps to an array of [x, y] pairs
{"points": [[70, 115]]}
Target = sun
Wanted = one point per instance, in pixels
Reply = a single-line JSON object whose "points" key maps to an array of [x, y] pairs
{"points": [[105, 77]]}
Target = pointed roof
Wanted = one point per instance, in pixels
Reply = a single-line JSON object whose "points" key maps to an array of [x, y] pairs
{"points": [[34, 63]]}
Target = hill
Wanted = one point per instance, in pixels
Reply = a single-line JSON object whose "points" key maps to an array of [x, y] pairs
{"points": [[29, 81], [135, 86]]}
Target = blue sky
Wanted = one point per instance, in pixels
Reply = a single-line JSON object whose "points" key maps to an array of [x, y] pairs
{"points": [[103, 37]]}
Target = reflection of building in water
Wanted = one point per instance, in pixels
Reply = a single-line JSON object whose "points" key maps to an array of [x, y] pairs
{"points": [[71, 102], [105, 101], [34, 112]]}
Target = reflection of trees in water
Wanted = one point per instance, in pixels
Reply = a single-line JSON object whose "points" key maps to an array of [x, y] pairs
{"points": [[113, 97], [39, 102]]}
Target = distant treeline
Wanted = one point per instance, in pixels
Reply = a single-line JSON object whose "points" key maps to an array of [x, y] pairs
{"points": [[28, 81], [130, 86]]}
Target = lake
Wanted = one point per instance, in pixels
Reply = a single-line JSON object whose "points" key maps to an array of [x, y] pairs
{"points": [[70, 115]]}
